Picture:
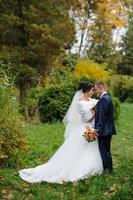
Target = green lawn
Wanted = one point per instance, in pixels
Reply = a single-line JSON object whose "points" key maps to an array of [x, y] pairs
{"points": [[44, 141]]}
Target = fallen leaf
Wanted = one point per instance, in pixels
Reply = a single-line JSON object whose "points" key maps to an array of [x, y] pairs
{"points": [[112, 189], [8, 196], [86, 182], [63, 182], [49, 185], [4, 191], [2, 178], [30, 197], [75, 183], [106, 193]]}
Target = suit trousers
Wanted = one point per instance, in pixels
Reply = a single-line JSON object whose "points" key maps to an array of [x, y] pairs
{"points": [[105, 150]]}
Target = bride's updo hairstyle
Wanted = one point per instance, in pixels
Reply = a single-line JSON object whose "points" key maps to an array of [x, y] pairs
{"points": [[85, 87]]}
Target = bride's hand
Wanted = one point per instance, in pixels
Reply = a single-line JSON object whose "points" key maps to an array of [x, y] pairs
{"points": [[92, 118], [93, 113]]}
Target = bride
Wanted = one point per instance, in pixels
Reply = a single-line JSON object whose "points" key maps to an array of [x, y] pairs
{"points": [[76, 158]]}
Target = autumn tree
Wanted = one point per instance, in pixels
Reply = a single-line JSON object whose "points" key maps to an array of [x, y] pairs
{"points": [[82, 15], [96, 22], [126, 64], [108, 16], [33, 35]]}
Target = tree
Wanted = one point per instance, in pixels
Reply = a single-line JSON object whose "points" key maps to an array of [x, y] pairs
{"points": [[33, 34], [82, 14], [107, 17], [96, 21], [126, 64], [86, 68]]}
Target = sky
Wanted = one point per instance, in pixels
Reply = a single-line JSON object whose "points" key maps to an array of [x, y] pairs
{"points": [[117, 37]]}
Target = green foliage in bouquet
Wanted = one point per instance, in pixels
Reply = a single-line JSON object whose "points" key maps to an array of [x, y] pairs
{"points": [[11, 128]]}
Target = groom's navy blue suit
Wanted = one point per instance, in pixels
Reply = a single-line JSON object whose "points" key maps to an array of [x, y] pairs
{"points": [[104, 124]]}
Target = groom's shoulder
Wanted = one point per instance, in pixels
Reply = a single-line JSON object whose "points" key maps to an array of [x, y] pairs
{"points": [[106, 97]]}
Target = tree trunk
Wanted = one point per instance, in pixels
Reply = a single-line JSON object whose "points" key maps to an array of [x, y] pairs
{"points": [[24, 85], [82, 35], [26, 113], [36, 117]]}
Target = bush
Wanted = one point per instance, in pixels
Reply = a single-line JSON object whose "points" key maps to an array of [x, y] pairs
{"points": [[61, 86], [31, 103], [82, 68], [59, 76], [55, 101], [91, 70], [11, 130], [123, 88], [130, 92], [116, 106]]}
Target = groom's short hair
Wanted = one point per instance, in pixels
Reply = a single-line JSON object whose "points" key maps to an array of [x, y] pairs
{"points": [[100, 84]]}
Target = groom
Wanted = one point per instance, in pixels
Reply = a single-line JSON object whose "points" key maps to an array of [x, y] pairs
{"points": [[104, 124]]}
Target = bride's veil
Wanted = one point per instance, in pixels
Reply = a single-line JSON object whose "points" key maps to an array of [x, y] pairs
{"points": [[72, 118]]}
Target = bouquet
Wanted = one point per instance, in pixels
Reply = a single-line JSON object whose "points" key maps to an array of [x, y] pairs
{"points": [[90, 134]]}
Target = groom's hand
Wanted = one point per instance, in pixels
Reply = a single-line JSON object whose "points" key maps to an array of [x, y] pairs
{"points": [[97, 133]]}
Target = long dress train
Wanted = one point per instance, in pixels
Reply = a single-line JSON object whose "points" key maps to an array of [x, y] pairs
{"points": [[75, 159]]}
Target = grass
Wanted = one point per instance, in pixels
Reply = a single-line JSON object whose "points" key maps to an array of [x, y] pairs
{"points": [[45, 139]]}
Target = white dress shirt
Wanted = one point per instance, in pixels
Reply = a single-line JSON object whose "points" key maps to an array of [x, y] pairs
{"points": [[103, 94]]}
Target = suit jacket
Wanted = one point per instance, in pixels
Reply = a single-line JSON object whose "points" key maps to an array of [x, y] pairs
{"points": [[104, 123]]}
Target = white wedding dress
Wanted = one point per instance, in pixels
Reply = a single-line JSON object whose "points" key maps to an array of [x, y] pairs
{"points": [[76, 158]]}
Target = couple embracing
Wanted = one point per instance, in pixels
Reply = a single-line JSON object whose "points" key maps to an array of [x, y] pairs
{"points": [[76, 158]]}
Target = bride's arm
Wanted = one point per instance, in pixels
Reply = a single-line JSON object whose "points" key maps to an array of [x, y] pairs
{"points": [[93, 117], [86, 115], [93, 111]]}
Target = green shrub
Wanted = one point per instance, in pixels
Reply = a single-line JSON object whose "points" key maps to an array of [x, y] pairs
{"points": [[11, 130], [116, 106], [130, 92], [123, 88], [32, 103], [55, 101]]}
